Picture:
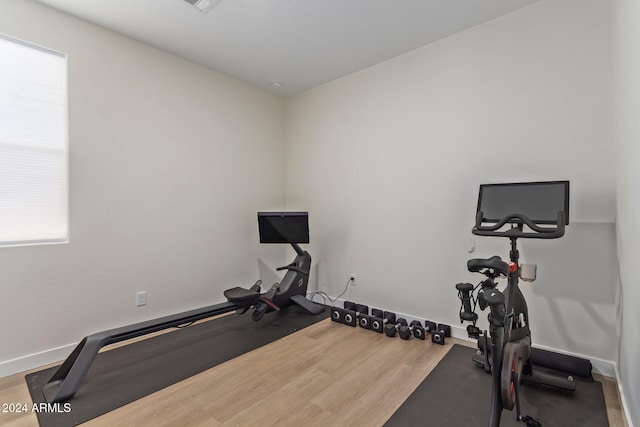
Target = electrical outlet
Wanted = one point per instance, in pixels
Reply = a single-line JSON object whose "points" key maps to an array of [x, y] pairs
{"points": [[141, 298], [352, 279]]}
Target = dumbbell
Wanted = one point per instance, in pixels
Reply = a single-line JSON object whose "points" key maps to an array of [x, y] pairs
{"points": [[390, 329], [430, 326], [438, 336], [336, 314], [361, 312], [380, 318], [346, 317], [438, 331], [415, 328]]}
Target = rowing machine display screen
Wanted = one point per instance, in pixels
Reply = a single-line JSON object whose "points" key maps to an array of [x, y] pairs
{"points": [[283, 227]]}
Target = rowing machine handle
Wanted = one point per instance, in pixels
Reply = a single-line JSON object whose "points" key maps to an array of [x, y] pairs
{"points": [[292, 267]]}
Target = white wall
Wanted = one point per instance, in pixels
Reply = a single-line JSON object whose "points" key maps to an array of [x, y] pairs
{"points": [[169, 162], [626, 61], [388, 161]]}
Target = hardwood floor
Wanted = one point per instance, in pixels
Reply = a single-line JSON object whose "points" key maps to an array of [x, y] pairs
{"points": [[324, 375]]}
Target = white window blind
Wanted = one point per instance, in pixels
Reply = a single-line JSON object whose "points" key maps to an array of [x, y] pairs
{"points": [[33, 144]]}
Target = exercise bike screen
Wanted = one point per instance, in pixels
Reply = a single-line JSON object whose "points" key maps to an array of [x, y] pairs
{"points": [[283, 227], [539, 201]]}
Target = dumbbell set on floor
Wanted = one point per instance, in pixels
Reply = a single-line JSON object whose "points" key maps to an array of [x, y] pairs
{"points": [[385, 321]]}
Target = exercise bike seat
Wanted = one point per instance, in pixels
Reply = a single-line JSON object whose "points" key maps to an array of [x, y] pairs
{"points": [[464, 287], [495, 263], [241, 295]]}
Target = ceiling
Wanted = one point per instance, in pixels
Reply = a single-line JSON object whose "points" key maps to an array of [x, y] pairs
{"points": [[301, 43]]}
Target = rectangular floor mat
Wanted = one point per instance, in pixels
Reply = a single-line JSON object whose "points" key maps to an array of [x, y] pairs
{"points": [[458, 393], [124, 374]]}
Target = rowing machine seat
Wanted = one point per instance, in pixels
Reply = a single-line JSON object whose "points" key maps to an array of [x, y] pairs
{"points": [[241, 295]]}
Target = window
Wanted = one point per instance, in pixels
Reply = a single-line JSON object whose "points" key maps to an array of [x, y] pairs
{"points": [[33, 144]]}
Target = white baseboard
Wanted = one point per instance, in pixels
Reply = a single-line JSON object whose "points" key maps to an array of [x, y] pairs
{"points": [[624, 403], [36, 360]]}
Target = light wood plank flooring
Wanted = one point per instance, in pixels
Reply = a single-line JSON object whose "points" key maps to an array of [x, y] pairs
{"points": [[325, 375]]}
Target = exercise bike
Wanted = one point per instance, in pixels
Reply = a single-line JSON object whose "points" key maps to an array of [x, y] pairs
{"points": [[504, 210]]}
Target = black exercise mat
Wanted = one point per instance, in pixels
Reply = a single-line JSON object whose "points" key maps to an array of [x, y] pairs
{"points": [[458, 393], [124, 374]]}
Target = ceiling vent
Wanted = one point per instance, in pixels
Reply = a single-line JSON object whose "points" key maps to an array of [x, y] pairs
{"points": [[203, 6]]}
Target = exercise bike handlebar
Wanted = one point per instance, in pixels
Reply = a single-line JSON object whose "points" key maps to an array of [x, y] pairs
{"points": [[537, 233]]}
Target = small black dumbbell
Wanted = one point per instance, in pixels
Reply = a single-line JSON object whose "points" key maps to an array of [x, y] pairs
{"points": [[438, 337], [430, 326], [467, 306], [337, 314], [346, 317], [364, 321], [445, 328], [380, 318], [415, 328], [350, 318], [362, 313], [391, 329]]}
